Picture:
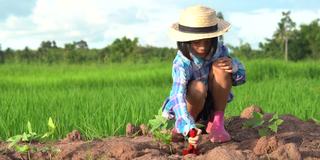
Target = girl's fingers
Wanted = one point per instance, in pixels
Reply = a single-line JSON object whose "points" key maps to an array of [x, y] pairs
{"points": [[226, 68], [199, 131], [224, 64], [194, 139], [193, 142]]}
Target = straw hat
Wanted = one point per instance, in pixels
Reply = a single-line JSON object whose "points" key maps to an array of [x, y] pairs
{"points": [[198, 22]]}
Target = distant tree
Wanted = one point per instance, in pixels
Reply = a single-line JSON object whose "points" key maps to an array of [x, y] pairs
{"points": [[103, 55], [244, 49], [271, 48], [70, 52], [284, 31], [54, 44], [299, 47], [26, 55], [81, 44], [46, 45], [48, 52], [122, 48], [79, 52], [9, 54], [2, 58], [311, 34]]}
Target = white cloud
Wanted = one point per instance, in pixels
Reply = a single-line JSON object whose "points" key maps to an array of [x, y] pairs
{"points": [[99, 22], [96, 21], [255, 26]]}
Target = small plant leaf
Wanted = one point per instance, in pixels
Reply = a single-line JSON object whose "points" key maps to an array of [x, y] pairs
{"points": [[275, 124], [258, 123], [255, 121], [274, 117], [14, 140], [160, 127], [155, 124], [163, 137], [279, 122], [274, 127], [25, 137], [22, 149], [170, 124], [29, 127], [160, 111], [263, 132], [51, 124], [315, 120], [47, 134], [257, 115]]}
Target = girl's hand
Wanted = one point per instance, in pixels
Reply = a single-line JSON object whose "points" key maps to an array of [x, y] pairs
{"points": [[224, 63], [194, 140]]}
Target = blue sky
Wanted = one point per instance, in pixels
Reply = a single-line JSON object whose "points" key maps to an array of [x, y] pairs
{"points": [[99, 22]]}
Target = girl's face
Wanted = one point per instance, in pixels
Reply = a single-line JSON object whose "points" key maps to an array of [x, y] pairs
{"points": [[201, 47]]}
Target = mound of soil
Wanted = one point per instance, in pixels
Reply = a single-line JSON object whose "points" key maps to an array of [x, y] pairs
{"points": [[295, 140]]}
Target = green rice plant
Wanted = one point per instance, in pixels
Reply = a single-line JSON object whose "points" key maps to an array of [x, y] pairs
{"points": [[117, 94]]}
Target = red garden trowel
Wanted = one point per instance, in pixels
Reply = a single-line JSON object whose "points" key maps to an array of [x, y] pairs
{"points": [[191, 149]]}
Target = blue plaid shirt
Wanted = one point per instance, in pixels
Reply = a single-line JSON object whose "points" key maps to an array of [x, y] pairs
{"points": [[184, 71]]}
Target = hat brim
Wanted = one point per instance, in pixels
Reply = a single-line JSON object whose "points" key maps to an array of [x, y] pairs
{"points": [[174, 33]]}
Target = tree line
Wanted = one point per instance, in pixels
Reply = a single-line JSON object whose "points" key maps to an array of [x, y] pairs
{"points": [[120, 50], [288, 42]]}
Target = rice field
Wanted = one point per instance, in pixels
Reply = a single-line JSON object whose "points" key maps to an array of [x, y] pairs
{"points": [[99, 100]]}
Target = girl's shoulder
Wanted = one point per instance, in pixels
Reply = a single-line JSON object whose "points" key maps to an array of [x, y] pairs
{"points": [[181, 61], [181, 67]]}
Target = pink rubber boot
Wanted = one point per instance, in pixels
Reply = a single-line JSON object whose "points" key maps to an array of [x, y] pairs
{"points": [[209, 125], [216, 130]]}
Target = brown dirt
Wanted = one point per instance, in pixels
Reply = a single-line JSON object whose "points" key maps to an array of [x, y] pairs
{"points": [[295, 139]]}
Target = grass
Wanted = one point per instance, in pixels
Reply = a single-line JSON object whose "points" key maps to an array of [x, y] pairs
{"points": [[99, 100]]}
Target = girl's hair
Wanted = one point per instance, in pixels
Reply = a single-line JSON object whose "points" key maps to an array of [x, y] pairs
{"points": [[185, 47]]}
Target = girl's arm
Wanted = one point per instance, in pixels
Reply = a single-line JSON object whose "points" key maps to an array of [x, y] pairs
{"points": [[184, 121], [238, 70]]}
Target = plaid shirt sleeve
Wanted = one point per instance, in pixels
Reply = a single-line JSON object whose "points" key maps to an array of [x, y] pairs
{"points": [[238, 73], [238, 70], [184, 121]]}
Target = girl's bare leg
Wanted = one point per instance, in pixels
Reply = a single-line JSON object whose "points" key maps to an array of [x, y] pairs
{"points": [[196, 96], [220, 84]]}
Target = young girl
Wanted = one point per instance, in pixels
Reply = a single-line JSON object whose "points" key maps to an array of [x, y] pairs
{"points": [[202, 73]]}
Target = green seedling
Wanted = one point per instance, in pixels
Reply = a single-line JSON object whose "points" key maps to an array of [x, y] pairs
{"points": [[29, 137], [274, 123], [264, 130], [160, 128], [255, 121], [316, 120]]}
